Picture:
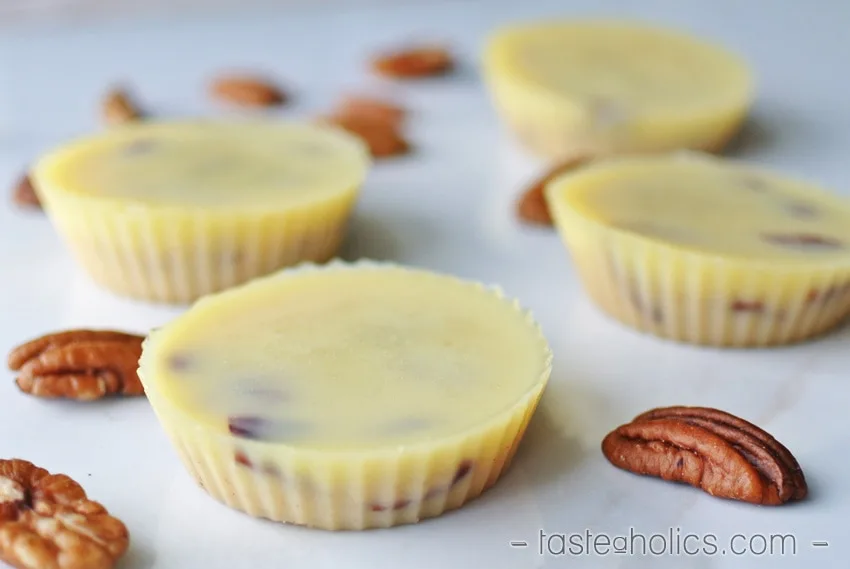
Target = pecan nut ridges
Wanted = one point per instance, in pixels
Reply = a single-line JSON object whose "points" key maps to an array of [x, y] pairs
{"points": [[720, 453]]}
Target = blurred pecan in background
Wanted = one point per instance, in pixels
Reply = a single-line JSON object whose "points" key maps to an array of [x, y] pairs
{"points": [[531, 206], [414, 62], [246, 90], [119, 108], [24, 193]]}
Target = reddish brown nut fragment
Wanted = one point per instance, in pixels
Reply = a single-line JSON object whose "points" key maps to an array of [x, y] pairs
{"points": [[399, 504], [414, 62], [48, 522], [268, 468], [241, 458], [383, 139], [247, 91], [532, 207], [371, 108], [79, 364], [754, 306], [119, 108], [720, 453], [830, 293], [24, 193]]}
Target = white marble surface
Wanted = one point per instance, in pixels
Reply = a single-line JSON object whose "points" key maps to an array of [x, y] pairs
{"points": [[447, 207]]}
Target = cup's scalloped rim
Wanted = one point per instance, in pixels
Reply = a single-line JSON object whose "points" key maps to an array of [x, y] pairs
{"points": [[529, 398], [45, 184], [565, 215], [496, 65]]}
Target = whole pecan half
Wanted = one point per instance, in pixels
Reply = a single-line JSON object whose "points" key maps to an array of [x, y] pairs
{"points": [[373, 108], [383, 139], [24, 193], [48, 522], [118, 107], [720, 453], [246, 90], [414, 62], [79, 364], [532, 207]]}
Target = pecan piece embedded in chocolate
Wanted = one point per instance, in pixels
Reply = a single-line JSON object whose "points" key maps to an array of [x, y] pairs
{"points": [[46, 520], [753, 306], [803, 241], [79, 364], [265, 429], [720, 453]]}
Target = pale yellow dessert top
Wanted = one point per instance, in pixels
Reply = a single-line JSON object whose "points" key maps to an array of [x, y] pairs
{"points": [[711, 205], [208, 164], [636, 68], [346, 358]]}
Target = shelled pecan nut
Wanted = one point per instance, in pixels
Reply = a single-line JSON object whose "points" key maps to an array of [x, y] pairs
{"points": [[382, 138], [24, 193], [372, 108], [531, 206], [48, 522], [118, 107], [414, 62], [246, 90], [79, 364], [720, 453]]}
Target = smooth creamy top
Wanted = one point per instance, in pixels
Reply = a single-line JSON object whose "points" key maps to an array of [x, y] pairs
{"points": [[208, 164], [711, 205], [348, 358], [623, 67]]}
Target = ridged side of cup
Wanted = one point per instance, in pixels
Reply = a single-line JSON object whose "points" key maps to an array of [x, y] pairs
{"points": [[175, 255], [348, 490], [699, 298]]}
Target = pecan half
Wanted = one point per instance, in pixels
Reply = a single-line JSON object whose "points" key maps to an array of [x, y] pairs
{"points": [[24, 193], [48, 522], [118, 107], [720, 453], [247, 90], [382, 138], [79, 364], [371, 108], [532, 207], [414, 62]]}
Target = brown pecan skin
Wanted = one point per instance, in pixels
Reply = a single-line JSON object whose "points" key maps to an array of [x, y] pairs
{"points": [[79, 364], [24, 194], [710, 449], [118, 107], [246, 90], [414, 62], [532, 207], [48, 522], [383, 139], [373, 108]]}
